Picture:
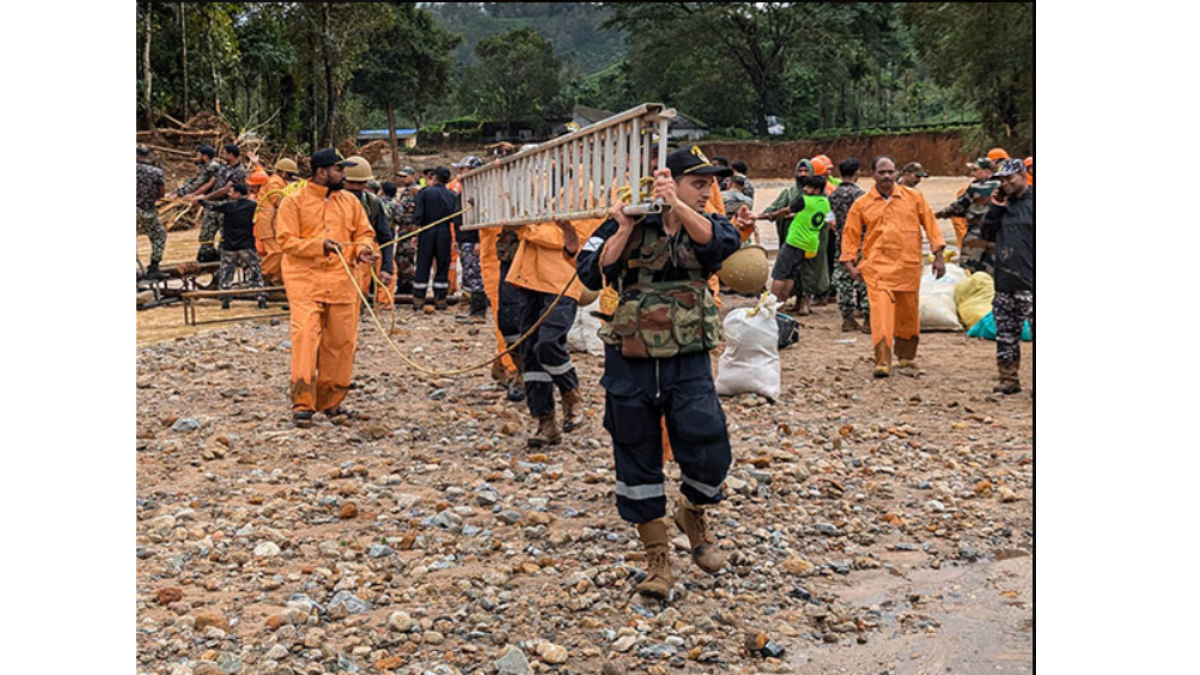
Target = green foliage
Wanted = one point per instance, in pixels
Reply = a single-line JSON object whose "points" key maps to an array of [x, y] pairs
{"points": [[307, 74], [984, 53], [408, 64], [572, 27], [517, 80]]}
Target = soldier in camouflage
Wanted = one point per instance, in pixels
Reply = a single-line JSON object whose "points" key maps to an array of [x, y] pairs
{"points": [[230, 171], [151, 185], [851, 292], [977, 254], [205, 176], [402, 223]]}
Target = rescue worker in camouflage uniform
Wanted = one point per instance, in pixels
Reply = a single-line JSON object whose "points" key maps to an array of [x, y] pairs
{"points": [[205, 176], [151, 185], [851, 292], [402, 223], [656, 359], [1008, 223], [231, 171], [976, 254]]}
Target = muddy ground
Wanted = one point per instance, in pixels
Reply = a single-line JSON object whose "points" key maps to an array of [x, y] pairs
{"points": [[873, 526]]}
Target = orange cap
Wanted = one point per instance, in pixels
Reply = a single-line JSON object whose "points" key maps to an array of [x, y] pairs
{"points": [[997, 154], [257, 178], [1029, 161], [821, 165]]}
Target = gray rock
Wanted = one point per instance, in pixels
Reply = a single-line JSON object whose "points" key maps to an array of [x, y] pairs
{"points": [[380, 551], [509, 517], [513, 663], [185, 424], [828, 529], [267, 549], [229, 663], [968, 553], [277, 653], [353, 604]]}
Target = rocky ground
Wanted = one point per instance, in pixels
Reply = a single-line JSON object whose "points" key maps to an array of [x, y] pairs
{"points": [[872, 526]]}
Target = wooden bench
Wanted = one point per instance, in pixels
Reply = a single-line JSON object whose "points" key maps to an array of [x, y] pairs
{"points": [[191, 297]]}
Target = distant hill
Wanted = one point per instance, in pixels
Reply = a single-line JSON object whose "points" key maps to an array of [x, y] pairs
{"points": [[573, 28]]}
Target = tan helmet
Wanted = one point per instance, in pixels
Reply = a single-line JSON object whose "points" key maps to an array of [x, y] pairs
{"points": [[360, 172], [587, 296], [746, 271], [287, 164]]}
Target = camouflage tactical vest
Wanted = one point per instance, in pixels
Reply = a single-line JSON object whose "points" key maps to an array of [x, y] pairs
{"points": [[662, 319], [506, 246]]}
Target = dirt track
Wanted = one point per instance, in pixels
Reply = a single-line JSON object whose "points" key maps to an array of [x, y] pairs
{"points": [[873, 526]]}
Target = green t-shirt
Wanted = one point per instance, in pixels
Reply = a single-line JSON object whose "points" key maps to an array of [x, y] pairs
{"points": [[805, 231]]}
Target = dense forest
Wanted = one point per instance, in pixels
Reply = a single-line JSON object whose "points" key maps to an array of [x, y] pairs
{"points": [[310, 74]]}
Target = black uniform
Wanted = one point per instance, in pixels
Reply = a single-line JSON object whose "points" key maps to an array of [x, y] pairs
{"points": [[508, 314], [640, 391], [434, 203]]}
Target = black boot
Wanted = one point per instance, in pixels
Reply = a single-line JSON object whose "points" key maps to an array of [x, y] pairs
{"points": [[152, 272], [479, 308]]}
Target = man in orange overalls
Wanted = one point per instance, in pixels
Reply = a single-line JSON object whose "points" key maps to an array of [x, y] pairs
{"points": [[893, 216], [312, 226], [269, 197]]}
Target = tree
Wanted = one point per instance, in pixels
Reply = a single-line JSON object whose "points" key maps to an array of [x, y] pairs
{"points": [[760, 37], [517, 78], [984, 52], [408, 68]]}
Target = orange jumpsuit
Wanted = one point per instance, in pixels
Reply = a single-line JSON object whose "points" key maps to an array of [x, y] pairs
{"points": [[455, 185], [960, 224], [489, 266], [540, 265], [891, 264], [264, 228], [323, 299]]}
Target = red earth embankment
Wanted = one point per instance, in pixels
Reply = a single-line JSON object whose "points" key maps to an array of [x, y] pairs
{"points": [[941, 153]]}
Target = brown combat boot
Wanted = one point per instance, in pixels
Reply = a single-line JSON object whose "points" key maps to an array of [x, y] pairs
{"points": [[849, 325], [802, 306], [572, 401], [548, 432], [1010, 378], [692, 522], [659, 580]]}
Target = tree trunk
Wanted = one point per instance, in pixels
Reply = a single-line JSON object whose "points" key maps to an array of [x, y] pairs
{"points": [[330, 105], [392, 138], [760, 107], [212, 62], [146, 66], [183, 39]]}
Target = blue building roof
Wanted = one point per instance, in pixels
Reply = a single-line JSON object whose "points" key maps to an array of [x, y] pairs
{"points": [[383, 133]]}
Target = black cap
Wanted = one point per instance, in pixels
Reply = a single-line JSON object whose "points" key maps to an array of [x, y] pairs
{"points": [[691, 161], [328, 157], [443, 174], [207, 150]]}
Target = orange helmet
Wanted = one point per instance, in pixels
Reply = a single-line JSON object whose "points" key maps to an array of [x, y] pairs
{"points": [[997, 154], [1029, 161], [821, 165], [259, 177]]}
